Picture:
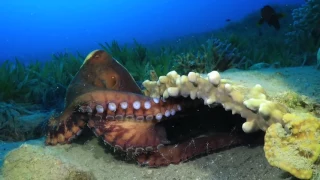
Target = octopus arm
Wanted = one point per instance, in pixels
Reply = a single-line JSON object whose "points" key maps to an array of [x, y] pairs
{"points": [[174, 154], [130, 134]]}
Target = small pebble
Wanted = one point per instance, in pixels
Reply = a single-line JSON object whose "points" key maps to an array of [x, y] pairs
{"points": [[149, 172]]}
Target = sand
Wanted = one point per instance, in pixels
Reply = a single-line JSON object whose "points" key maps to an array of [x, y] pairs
{"points": [[92, 157]]}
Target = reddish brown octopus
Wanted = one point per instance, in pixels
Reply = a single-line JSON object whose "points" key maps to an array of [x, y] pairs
{"points": [[155, 132]]}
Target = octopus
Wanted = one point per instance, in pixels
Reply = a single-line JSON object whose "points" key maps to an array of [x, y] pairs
{"points": [[104, 98]]}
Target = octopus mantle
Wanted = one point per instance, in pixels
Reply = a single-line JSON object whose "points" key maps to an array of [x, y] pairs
{"points": [[154, 131]]}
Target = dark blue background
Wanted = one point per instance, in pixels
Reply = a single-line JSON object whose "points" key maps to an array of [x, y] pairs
{"points": [[34, 29]]}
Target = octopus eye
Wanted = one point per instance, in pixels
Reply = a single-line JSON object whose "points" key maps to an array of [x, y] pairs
{"points": [[112, 81]]}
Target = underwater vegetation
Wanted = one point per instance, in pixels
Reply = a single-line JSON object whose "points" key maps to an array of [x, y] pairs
{"points": [[38, 83]]}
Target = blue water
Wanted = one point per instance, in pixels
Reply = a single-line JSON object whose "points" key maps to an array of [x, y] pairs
{"points": [[36, 29]]}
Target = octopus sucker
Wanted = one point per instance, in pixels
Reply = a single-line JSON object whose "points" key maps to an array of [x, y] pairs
{"points": [[155, 131], [131, 134]]}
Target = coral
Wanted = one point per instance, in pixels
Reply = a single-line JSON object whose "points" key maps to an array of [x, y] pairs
{"points": [[306, 26], [290, 138], [251, 103], [187, 62], [294, 147], [215, 54]]}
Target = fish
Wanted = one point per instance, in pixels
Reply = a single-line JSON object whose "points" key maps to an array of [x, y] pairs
{"points": [[228, 20], [269, 15]]}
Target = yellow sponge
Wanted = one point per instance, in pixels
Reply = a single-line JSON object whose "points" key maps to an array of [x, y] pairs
{"points": [[295, 147]]}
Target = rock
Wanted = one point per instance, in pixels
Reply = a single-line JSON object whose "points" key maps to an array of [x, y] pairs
{"points": [[32, 162], [18, 123]]}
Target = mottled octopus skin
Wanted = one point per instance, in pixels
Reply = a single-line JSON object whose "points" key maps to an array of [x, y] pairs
{"points": [[104, 96], [174, 154]]}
